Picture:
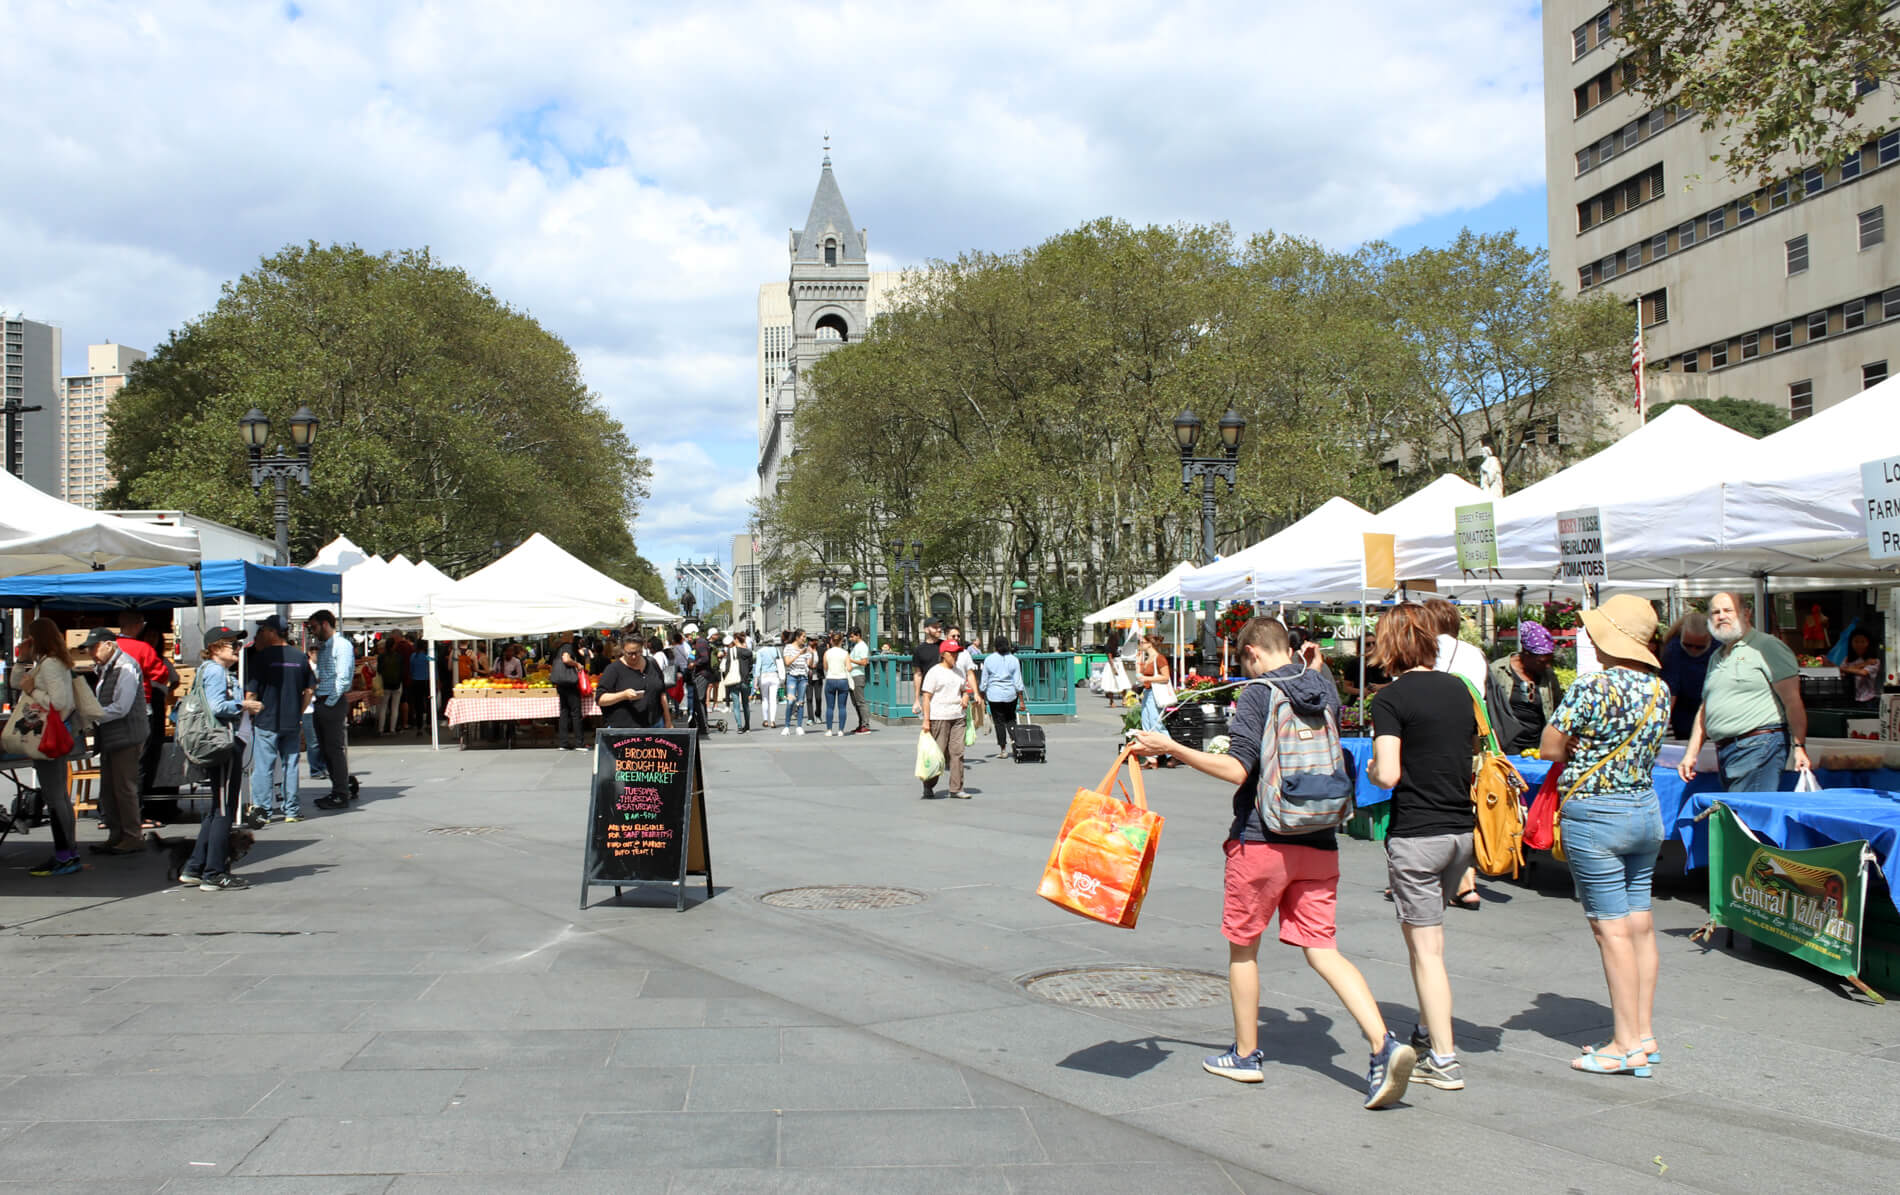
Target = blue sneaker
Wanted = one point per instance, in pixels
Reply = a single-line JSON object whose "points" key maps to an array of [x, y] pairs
{"points": [[1243, 1068], [1389, 1073]]}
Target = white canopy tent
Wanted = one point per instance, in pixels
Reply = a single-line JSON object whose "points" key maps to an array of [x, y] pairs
{"points": [[1336, 572], [1317, 535], [340, 555], [537, 589], [1167, 585], [41, 534], [1657, 490]]}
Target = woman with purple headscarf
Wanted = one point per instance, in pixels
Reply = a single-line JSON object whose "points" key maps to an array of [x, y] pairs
{"points": [[1521, 691]]}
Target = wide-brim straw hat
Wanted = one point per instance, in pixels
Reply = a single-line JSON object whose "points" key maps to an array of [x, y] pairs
{"points": [[1623, 627]]}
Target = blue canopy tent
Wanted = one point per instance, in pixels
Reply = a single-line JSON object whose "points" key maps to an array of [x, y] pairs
{"points": [[214, 582]]}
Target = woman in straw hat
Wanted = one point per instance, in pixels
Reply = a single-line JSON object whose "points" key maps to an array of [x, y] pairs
{"points": [[1603, 740]]}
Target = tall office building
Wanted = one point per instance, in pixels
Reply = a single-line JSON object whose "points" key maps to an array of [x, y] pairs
{"points": [[87, 398], [29, 378], [1787, 294]]}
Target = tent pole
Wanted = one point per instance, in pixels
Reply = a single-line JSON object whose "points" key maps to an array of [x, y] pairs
{"points": [[198, 587], [1365, 633], [435, 719]]}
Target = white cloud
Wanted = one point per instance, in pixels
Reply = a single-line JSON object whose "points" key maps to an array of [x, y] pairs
{"points": [[627, 173]]}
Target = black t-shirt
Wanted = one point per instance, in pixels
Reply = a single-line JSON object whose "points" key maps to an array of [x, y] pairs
{"points": [[278, 678], [702, 658], [643, 710], [1528, 709], [1243, 735], [1430, 714], [926, 657]]}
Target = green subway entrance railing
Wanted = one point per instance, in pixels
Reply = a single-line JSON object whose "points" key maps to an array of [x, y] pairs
{"points": [[1048, 685]]}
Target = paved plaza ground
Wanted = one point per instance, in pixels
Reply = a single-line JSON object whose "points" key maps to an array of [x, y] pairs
{"points": [[393, 1008]]}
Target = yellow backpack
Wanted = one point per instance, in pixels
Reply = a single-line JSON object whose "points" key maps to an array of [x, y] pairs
{"points": [[1497, 791]]}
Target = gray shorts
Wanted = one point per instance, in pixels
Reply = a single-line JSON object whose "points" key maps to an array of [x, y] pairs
{"points": [[1424, 873]]}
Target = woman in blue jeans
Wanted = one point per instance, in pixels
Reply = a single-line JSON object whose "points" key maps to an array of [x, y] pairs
{"points": [[799, 661], [1603, 740]]}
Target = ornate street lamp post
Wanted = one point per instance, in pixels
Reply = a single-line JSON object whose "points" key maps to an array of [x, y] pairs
{"points": [[280, 468], [1187, 430], [907, 565]]}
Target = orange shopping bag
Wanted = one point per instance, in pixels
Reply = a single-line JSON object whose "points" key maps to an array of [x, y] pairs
{"points": [[1102, 858]]}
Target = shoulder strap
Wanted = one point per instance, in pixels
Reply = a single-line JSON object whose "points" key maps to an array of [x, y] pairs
{"points": [[1620, 748], [1484, 721]]}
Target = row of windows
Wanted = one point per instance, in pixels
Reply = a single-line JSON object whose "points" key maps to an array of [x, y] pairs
{"points": [[1624, 196], [1801, 393], [1884, 152], [1592, 33], [1631, 135], [1605, 86], [1850, 316]]}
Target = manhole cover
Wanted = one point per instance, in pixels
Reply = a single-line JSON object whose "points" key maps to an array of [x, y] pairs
{"points": [[842, 896], [465, 831], [1127, 987]]}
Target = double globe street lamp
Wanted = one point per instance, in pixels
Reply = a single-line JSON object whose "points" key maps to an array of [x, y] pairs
{"points": [[1187, 430], [280, 468]]}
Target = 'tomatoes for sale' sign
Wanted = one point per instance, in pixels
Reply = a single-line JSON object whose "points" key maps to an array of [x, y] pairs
{"points": [[1580, 544]]}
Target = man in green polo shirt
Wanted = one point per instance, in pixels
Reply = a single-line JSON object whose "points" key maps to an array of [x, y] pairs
{"points": [[1751, 704]]}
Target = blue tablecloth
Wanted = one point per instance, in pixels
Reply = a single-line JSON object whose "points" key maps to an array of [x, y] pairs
{"points": [[1802, 821]]}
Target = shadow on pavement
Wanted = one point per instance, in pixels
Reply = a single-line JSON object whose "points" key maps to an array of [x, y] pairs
{"points": [[1560, 1017]]}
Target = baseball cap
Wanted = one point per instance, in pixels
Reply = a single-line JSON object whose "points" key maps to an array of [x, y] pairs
{"points": [[101, 635], [220, 634], [274, 623], [691, 628], [951, 648]]}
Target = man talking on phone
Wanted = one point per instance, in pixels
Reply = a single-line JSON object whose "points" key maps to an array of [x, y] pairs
{"points": [[632, 690]]}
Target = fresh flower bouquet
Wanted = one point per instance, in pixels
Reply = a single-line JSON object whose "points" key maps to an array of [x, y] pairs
{"points": [[1233, 618]]}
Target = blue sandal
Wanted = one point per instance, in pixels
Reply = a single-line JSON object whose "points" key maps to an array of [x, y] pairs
{"points": [[1589, 1064]]}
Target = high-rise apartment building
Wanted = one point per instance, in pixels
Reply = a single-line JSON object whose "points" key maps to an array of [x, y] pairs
{"points": [[29, 378], [86, 400], [1787, 294]]}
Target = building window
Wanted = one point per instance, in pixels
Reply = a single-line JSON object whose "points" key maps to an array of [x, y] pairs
{"points": [[1854, 315], [1716, 219], [1603, 26], [1751, 345], [1778, 197], [1745, 210], [1817, 326], [1685, 235], [1801, 399], [1813, 181], [1718, 354], [1873, 226], [1797, 254], [1607, 270], [1850, 166], [1583, 159], [1784, 337], [1579, 42], [1691, 362], [1587, 276], [1659, 246], [1888, 148], [1634, 254], [1655, 308], [1872, 374], [831, 253], [1890, 304]]}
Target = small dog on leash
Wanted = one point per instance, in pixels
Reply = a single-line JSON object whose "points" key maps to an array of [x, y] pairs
{"points": [[178, 850]]}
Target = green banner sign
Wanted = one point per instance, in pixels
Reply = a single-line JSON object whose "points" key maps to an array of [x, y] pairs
{"points": [[1807, 903]]}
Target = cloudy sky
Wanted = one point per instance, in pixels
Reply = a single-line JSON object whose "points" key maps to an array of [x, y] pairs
{"points": [[626, 172]]}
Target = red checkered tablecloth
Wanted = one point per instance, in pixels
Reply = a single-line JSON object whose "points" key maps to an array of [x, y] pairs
{"points": [[512, 708]]}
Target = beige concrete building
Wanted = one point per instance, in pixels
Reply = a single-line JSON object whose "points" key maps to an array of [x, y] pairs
{"points": [[1787, 294], [86, 399]]}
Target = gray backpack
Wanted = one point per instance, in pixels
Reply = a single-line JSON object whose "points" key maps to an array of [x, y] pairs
{"points": [[198, 732]]}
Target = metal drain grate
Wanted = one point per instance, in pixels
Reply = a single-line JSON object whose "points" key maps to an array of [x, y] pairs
{"points": [[842, 896], [463, 831], [1127, 987]]}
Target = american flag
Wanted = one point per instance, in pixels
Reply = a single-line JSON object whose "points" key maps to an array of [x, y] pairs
{"points": [[1636, 357]]}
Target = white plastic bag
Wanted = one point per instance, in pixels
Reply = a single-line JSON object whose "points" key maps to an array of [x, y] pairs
{"points": [[929, 757], [1806, 783]]}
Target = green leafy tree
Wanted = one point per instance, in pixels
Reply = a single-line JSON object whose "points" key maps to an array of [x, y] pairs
{"points": [[1757, 419], [1780, 77], [449, 422]]}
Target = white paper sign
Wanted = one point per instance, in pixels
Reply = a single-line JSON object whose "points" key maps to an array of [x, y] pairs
{"points": [[1476, 537], [1880, 486], [1580, 544]]}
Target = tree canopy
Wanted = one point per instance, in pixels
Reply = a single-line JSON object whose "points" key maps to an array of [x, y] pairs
{"points": [[1013, 411], [1780, 77], [1752, 418], [450, 423]]}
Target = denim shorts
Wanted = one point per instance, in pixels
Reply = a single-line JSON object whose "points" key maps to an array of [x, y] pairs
{"points": [[1611, 842]]}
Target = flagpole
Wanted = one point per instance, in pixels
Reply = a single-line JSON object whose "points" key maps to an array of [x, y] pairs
{"points": [[1636, 368]]}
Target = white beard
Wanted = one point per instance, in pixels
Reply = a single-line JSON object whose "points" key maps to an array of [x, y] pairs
{"points": [[1727, 635]]}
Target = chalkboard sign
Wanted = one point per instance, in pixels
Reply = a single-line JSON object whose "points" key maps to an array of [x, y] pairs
{"points": [[646, 820]]}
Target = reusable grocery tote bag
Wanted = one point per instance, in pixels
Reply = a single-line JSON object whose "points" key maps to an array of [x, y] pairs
{"points": [[1101, 862]]}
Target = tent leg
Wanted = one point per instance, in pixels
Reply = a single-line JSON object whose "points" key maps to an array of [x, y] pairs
{"points": [[435, 701]]}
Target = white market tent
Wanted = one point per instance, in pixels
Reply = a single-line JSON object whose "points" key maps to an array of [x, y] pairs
{"points": [[1166, 586], [1337, 571], [1316, 535], [1656, 488], [41, 534], [340, 555], [537, 589]]}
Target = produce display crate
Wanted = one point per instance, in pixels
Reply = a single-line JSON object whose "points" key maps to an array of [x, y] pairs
{"points": [[1370, 823]]}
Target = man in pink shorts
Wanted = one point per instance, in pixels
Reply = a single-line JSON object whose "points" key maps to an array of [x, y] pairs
{"points": [[1293, 875]]}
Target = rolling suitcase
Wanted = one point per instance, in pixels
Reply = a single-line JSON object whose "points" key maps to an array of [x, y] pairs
{"points": [[1026, 741]]}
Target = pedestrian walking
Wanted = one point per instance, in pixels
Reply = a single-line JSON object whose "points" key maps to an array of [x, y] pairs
{"points": [[946, 694], [1425, 731], [860, 664], [768, 673], [800, 659], [739, 680], [415, 692], [209, 865], [1001, 683], [1151, 677], [278, 686], [335, 665], [1604, 739], [120, 735], [44, 678], [1295, 876], [388, 706], [145, 645], [1115, 681], [565, 675], [837, 665]]}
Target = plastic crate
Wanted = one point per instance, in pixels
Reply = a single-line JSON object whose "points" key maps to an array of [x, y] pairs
{"points": [[1370, 823]]}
